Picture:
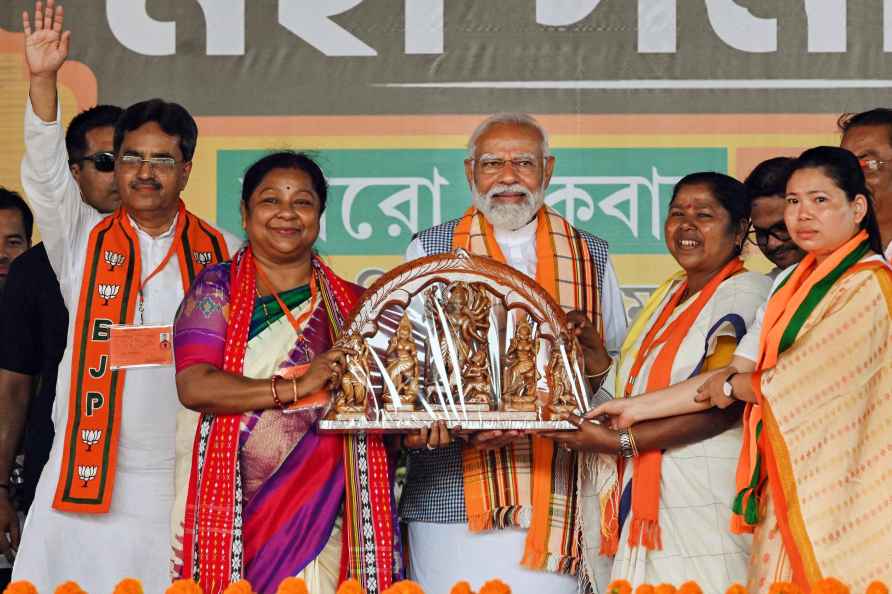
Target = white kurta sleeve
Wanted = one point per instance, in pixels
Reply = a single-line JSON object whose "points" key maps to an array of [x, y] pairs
{"points": [[613, 312], [415, 250], [62, 217]]}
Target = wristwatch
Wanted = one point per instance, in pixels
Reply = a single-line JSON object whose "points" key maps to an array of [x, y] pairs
{"points": [[728, 388], [625, 444]]}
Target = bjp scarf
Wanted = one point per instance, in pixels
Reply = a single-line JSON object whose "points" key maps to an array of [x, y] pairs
{"points": [[109, 293]]}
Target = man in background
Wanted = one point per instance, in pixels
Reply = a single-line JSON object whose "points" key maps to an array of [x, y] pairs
{"points": [[33, 324]]}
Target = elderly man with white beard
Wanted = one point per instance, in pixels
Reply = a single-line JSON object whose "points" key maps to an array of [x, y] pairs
{"points": [[471, 508]]}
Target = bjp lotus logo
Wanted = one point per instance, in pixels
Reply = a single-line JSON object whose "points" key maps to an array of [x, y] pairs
{"points": [[203, 258], [87, 474], [91, 437], [113, 259], [108, 292]]}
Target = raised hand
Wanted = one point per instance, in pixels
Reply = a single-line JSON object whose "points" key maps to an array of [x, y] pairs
{"points": [[46, 45], [594, 354]]}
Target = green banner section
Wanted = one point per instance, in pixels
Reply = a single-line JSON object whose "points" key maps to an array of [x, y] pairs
{"points": [[379, 199]]}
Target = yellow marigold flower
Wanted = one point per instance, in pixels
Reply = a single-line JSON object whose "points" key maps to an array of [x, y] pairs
{"points": [[239, 587], [645, 589], [736, 588], [69, 588], [829, 586], [350, 587], [784, 588], [128, 586], [184, 586], [619, 587], [292, 585], [664, 589], [461, 588], [20, 587], [495, 587], [877, 588], [690, 588]]}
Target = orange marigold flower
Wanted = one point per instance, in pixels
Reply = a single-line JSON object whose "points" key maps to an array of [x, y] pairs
{"points": [[350, 587], [784, 588], [239, 587], [619, 587], [829, 586], [736, 588], [128, 586], [184, 586], [69, 588], [664, 589], [461, 588], [292, 585], [877, 588], [495, 587], [408, 587], [690, 588], [20, 587], [645, 589]]}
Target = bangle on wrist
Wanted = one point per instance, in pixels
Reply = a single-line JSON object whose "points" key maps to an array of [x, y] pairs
{"points": [[625, 444], [294, 389], [602, 372], [272, 389]]}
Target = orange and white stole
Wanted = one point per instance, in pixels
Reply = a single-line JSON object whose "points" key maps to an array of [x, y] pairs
{"points": [[532, 473], [645, 514], [109, 294]]}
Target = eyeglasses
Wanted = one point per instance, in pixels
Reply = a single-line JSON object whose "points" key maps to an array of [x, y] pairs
{"points": [[760, 237], [871, 164], [134, 162], [104, 161], [491, 166]]}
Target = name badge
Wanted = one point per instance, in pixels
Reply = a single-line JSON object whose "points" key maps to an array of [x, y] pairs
{"points": [[140, 346]]}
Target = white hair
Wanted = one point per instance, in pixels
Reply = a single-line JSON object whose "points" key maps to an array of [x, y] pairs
{"points": [[518, 119]]}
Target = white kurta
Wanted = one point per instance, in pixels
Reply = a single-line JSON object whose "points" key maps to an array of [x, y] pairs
{"points": [[442, 554], [98, 550]]}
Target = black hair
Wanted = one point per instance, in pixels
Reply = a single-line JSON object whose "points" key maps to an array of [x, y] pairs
{"points": [[285, 160], [844, 169], [729, 192], [10, 200], [171, 117], [769, 178], [878, 116], [90, 119]]}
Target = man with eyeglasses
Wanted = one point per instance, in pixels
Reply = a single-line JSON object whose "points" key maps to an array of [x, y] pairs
{"points": [[766, 188], [508, 170], [868, 135], [102, 505], [33, 325]]}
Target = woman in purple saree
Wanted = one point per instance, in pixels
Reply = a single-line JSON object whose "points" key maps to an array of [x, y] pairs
{"points": [[268, 495]]}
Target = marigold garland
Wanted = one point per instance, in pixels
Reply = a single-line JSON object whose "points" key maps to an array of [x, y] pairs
{"points": [[619, 587], [877, 588], [736, 588], [690, 588], [495, 587], [128, 586], [784, 588], [293, 585], [239, 587], [645, 589], [69, 587], [184, 586], [350, 587], [664, 589], [830, 586], [404, 587], [20, 587], [461, 588]]}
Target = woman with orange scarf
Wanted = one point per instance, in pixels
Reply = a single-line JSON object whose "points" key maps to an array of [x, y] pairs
{"points": [[817, 450], [665, 503]]}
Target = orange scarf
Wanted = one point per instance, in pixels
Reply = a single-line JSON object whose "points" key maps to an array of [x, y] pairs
{"points": [[645, 526], [108, 296], [499, 484]]}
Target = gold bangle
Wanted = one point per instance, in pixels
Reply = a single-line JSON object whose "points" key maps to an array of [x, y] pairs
{"points": [[632, 441], [294, 389], [601, 373]]}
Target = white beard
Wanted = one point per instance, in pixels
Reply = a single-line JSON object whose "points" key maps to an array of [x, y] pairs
{"points": [[508, 216]]}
